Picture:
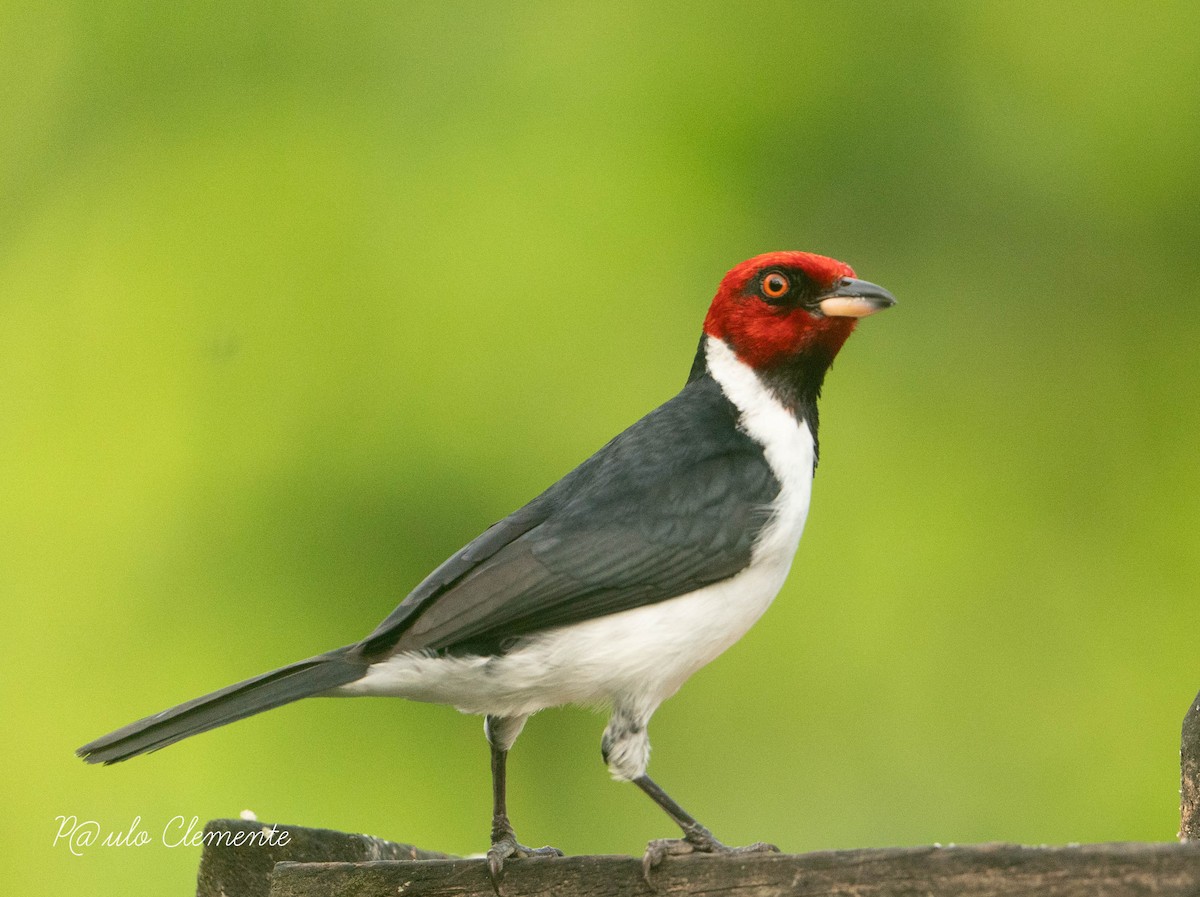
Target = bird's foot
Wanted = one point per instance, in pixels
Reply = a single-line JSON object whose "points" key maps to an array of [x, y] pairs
{"points": [[696, 839], [505, 846]]}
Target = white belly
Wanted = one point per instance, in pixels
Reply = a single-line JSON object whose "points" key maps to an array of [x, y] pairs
{"points": [[638, 656]]}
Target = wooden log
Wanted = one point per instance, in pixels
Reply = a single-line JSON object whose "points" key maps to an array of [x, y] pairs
{"points": [[990, 870], [238, 855], [312, 862], [1189, 775]]}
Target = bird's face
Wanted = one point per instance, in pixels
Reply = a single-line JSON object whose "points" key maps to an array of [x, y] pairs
{"points": [[781, 305]]}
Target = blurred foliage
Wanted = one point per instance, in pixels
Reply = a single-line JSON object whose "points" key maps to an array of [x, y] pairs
{"points": [[295, 298]]}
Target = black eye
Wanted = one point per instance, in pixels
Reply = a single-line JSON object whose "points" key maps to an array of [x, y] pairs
{"points": [[775, 285]]}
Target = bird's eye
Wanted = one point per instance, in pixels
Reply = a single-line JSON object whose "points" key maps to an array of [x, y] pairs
{"points": [[775, 285]]}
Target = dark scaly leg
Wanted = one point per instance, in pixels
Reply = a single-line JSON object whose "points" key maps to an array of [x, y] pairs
{"points": [[626, 750], [696, 838], [501, 733]]}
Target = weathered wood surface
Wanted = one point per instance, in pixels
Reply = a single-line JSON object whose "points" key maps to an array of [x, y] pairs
{"points": [[1189, 774], [991, 870], [237, 860], [316, 862]]}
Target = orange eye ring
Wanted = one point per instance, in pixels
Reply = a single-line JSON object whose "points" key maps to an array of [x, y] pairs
{"points": [[775, 285]]}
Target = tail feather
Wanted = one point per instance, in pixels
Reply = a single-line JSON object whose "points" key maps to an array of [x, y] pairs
{"points": [[270, 690]]}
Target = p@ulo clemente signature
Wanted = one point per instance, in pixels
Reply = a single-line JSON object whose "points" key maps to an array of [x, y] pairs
{"points": [[79, 835]]}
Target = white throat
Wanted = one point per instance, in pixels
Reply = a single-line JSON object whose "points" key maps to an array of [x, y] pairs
{"points": [[787, 444]]}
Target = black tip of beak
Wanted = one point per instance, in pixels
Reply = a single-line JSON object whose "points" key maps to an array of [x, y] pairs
{"points": [[853, 288]]}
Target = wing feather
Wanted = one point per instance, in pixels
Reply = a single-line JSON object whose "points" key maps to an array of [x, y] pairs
{"points": [[672, 504]]}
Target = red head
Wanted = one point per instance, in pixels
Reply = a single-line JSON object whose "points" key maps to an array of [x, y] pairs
{"points": [[781, 305]]}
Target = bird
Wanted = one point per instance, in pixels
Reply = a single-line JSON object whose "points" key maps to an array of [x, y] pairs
{"points": [[622, 579]]}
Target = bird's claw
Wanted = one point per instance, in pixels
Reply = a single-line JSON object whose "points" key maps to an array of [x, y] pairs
{"points": [[507, 847], [694, 840]]}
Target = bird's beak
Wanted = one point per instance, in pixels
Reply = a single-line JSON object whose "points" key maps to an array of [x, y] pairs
{"points": [[853, 298]]}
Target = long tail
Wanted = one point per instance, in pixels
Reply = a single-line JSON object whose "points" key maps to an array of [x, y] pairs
{"points": [[273, 689]]}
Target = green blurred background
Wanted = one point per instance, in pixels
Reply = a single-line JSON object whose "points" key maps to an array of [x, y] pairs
{"points": [[295, 298]]}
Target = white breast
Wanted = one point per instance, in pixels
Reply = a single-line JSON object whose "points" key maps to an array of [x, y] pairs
{"points": [[642, 656], [787, 444]]}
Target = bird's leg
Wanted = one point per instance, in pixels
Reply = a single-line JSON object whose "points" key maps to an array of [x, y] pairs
{"points": [[501, 733], [696, 838], [626, 749]]}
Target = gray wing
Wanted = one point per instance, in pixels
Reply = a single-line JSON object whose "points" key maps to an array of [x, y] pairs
{"points": [[670, 505]]}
